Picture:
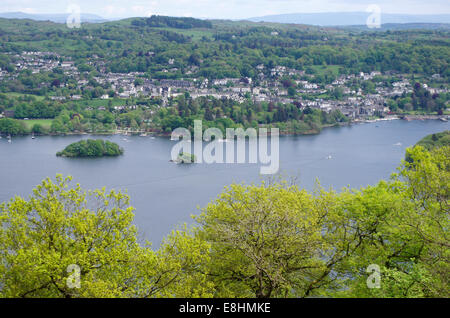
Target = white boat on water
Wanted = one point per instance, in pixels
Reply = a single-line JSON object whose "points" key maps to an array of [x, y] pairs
{"points": [[398, 144]]}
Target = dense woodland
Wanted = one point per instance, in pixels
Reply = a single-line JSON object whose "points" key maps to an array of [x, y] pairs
{"points": [[225, 49]]}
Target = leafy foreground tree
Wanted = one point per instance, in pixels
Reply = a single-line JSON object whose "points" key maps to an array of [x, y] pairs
{"points": [[58, 227], [279, 241], [272, 240]]}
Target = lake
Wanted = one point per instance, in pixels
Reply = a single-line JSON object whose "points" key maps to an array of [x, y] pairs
{"points": [[165, 195]]}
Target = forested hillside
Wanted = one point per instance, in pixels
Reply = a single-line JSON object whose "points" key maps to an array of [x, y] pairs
{"points": [[229, 49], [153, 74]]}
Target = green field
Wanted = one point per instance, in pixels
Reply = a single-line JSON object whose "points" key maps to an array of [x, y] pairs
{"points": [[12, 94], [100, 102], [46, 123], [196, 34], [321, 69]]}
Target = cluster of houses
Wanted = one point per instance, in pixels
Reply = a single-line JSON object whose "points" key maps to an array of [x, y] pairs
{"points": [[36, 61], [267, 87]]}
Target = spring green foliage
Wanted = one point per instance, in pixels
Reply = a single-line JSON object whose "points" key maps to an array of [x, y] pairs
{"points": [[271, 240], [91, 148], [279, 241], [57, 227]]}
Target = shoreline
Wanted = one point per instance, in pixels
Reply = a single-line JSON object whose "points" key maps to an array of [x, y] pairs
{"points": [[443, 118]]}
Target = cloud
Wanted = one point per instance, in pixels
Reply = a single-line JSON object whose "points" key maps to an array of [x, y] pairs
{"points": [[29, 10]]}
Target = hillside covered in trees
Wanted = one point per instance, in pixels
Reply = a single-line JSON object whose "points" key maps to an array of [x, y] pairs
{"points": [[157, 73], [228, 49]]}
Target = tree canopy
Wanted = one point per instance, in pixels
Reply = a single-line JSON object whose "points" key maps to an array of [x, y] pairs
{"points": [[91, 148]]}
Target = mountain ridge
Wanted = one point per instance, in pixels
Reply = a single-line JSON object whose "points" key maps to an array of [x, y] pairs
{"points": [[53, 17]]}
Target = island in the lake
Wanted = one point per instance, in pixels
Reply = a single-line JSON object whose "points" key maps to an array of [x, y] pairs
{"points": [[184, 157], [92, 149]]}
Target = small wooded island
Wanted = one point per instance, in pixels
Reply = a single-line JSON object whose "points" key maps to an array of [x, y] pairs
{"points": [[91, 148], [184, 157]]}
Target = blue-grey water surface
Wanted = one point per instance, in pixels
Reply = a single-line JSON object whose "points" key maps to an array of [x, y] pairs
{"points": [[165, 195]]}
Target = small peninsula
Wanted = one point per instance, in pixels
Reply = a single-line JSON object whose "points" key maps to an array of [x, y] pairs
{"points": [[91, 148], [432, 141], [435, 140]]}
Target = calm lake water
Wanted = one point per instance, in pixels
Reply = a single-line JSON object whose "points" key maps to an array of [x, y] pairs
{"points": [[165, 195]]}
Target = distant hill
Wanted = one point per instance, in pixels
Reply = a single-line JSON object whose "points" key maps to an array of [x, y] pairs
{"points": [[57, 17], [400, 26], [349, 18]]}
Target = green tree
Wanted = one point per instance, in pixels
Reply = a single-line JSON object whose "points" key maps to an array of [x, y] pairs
{"points": [[270, 241], [61, 227], [37, 129], [11, 126], [410, 218]]}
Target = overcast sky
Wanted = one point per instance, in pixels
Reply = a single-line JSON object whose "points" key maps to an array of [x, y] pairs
{"points": [[222, 9]]}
